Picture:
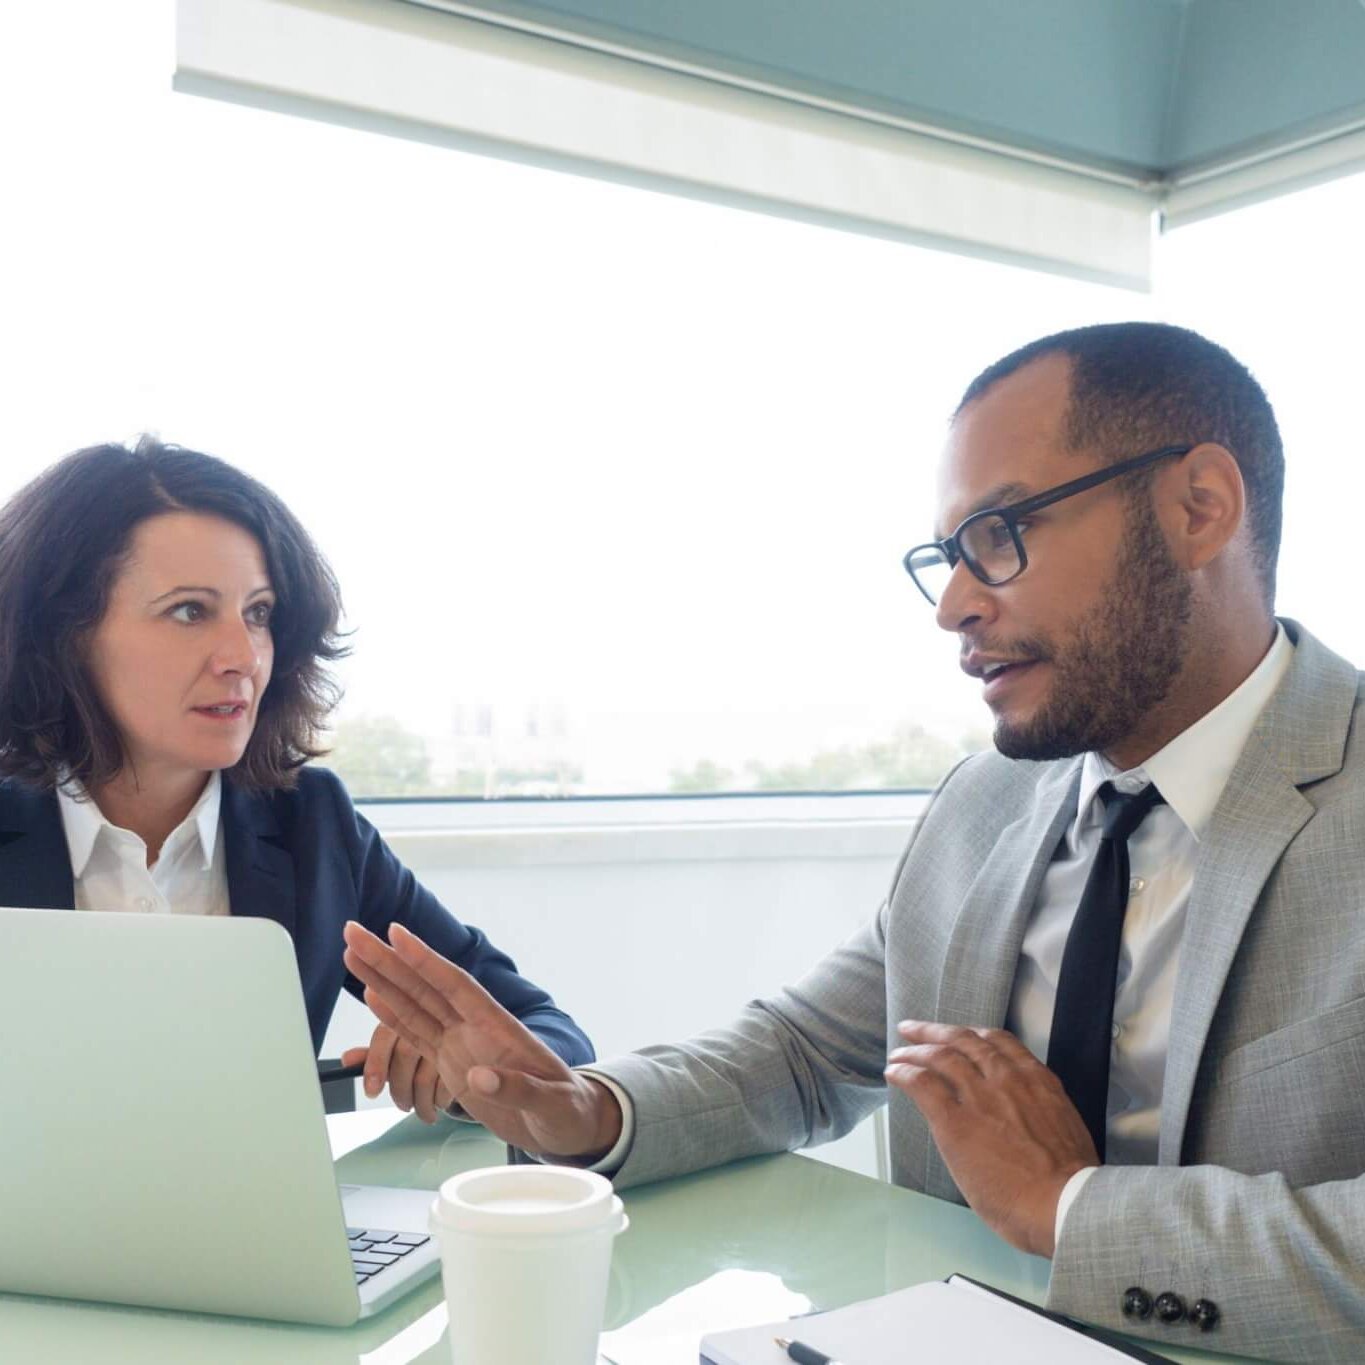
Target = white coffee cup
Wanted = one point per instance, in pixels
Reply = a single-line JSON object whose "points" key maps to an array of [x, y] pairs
{"points": [[525, 1256]]}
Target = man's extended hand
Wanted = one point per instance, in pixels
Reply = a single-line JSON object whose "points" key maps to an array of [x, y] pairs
{"points": [[499, 1071], [412, 1079], [1010, 1137]]}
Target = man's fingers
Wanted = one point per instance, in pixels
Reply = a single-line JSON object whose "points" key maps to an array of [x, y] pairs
{"points": [[498, 1033], [376, 964], [422, 1012], [987, 1049], [453, 984], [412, 1026], [484, 1081], [1008, 1047], [960, 1071], [511, 1089], [933, 1095], [928, 1031], [354, 1056], [410, 1021], [551, 1117]]}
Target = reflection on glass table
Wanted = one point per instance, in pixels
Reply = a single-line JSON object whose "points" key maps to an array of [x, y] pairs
{"points": [[751, 1242]]}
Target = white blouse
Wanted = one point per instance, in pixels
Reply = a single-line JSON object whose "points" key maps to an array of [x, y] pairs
{"points": [[109, 864]]}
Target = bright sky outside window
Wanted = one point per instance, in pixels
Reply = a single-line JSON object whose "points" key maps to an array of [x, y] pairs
{"points": [[616, 484]]}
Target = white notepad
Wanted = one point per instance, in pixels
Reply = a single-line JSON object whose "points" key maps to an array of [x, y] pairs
{"points": [[944, 1321]]}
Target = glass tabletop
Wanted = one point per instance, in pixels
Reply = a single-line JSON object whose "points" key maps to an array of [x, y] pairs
{"points": [[755, 1241]]}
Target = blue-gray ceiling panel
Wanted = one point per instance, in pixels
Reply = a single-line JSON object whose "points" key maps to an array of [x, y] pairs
{"points": [[1087, 79], [1256, 73], [1143, 87]]}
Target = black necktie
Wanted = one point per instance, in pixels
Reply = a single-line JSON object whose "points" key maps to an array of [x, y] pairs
{"points": [[1083, 1017]]}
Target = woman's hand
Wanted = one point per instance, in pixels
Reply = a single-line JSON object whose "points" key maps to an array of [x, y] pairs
{"points": [[498, 1070], [412, 1079]]}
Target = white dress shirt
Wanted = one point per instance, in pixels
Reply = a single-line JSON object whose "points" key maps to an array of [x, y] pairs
{"points": [[109, 864], [1190, 772]]}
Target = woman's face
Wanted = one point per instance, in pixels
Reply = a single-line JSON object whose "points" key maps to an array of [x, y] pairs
{"points": [[183, 654]]}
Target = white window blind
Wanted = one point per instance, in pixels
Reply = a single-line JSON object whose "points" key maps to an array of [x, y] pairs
{"points": [[400, 68], [1221, 189]]}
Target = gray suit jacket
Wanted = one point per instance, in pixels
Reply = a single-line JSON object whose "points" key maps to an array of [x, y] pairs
{"points": [[1258, 1200]]}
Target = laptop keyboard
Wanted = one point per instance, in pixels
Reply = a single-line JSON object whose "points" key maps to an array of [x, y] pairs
{"points": [[373, 1251]]}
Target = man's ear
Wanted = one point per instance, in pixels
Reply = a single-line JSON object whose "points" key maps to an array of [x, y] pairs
{"points": [[1203, 503]]}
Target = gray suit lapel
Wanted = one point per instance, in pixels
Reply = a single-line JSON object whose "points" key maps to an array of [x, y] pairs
{"points": [[983, 950], [1299, 738]]}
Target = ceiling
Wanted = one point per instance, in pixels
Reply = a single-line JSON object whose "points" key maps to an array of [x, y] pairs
{"points": [[1053, 134], [1143, 90]]}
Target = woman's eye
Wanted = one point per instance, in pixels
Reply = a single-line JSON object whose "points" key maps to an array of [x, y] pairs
{"points": [[259, 613], [188, 612]]}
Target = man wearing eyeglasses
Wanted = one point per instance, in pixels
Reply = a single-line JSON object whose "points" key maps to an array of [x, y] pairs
{"points": [[1116, 997]]}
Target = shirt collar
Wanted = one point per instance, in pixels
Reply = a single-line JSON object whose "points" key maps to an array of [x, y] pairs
{"points": [[83, 820], [205, 816], [1192, 770]]}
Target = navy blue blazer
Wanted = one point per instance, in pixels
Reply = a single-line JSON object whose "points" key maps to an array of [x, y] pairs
{"points": [[306, 859]]}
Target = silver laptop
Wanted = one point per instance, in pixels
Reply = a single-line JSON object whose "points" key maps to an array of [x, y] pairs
{"points": [[163, 1140]]}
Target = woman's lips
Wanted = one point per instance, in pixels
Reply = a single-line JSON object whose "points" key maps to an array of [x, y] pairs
{"points": [[224, 715]]}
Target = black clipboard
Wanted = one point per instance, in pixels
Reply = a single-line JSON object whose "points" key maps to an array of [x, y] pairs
{"points": [[1104, 1335], [1101, 1336]]}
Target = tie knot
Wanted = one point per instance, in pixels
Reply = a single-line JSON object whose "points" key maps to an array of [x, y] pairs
{"points": [[1124, 813]]}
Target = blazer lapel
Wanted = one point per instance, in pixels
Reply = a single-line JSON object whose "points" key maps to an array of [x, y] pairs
{"points": [[1299, 738], [983, 950], [35, 865], [260, 869]]}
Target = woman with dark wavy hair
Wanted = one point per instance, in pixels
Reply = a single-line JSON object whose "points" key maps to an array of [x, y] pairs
{"points": [[165, 627]]}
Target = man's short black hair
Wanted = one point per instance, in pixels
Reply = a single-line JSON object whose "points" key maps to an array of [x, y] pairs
{"points": [[1138, 386]]}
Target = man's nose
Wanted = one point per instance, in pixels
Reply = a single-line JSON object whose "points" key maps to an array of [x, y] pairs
{"points": [[964, 602]]}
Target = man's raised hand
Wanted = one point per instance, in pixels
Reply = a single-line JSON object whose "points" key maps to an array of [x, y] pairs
{"points": [[498, 1070]]}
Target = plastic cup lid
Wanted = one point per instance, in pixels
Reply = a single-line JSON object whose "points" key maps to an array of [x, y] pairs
{"points": [[515, 1200]]}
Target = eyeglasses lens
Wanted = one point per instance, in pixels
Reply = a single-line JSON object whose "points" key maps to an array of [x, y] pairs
{"points": [[990, 550], [930, 569]]}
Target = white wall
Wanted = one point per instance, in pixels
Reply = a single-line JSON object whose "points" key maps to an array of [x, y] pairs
{"points": [[650, 920]]}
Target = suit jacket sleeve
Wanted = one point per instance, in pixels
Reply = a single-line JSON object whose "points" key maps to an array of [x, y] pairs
{"points": [[797, 1069], [1285, 1265], [801, 1067], [388, 892]]}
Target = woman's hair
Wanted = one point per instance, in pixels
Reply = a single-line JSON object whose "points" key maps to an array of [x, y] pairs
{"points": [[63, 540]]}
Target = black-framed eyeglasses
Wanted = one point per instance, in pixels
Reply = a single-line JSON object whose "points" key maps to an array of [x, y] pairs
{"points": [[988, 542]]}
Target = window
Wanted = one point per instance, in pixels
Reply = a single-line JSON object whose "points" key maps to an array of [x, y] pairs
{"points": [[617, 507]]}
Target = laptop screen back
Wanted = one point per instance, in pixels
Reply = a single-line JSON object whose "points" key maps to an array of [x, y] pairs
{"points": [[163, 1141]]}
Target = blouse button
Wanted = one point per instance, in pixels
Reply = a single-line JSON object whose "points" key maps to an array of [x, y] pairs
{"points": [[143, 903], [1136, 886]]}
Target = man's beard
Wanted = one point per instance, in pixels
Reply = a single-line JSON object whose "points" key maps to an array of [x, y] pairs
{"points": [[1121, 659]]}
